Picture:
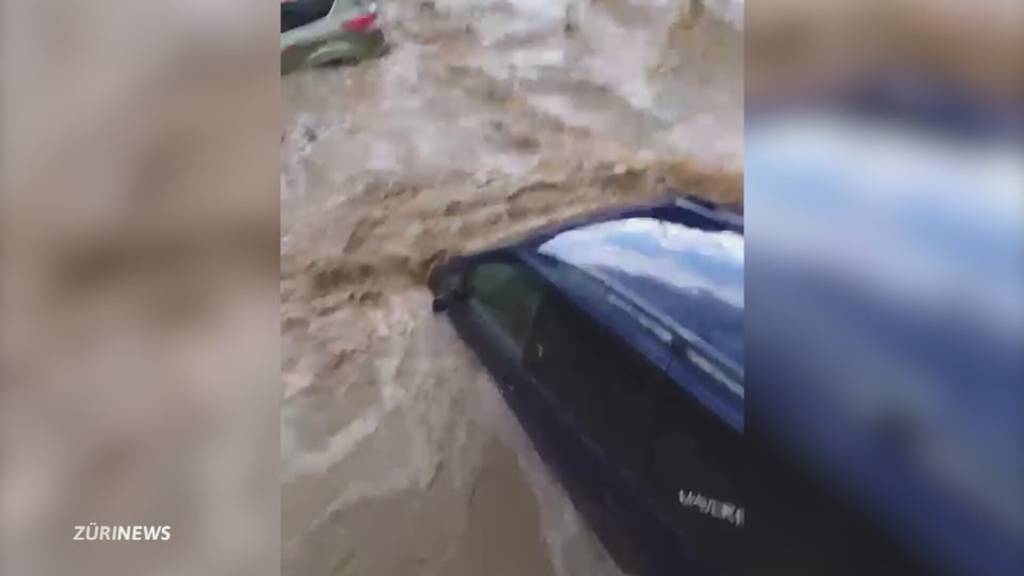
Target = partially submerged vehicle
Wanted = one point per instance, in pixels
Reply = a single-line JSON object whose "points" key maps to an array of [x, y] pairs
{"points": [[887, 329], [618, 342], [329, 32], [887, 427]]}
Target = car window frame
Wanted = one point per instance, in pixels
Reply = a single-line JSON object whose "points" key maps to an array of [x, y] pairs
{"points": [[595, 442], [499, 334]]}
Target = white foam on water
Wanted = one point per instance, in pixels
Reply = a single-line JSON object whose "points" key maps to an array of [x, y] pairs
{"points": [[621, 59], [730, 11]]}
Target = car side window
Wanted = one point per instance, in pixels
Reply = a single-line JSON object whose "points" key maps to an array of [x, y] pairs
{"points": [[603, 385], [562, 356], [508, 294]]}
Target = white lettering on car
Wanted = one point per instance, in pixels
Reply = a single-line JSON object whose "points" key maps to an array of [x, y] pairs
{"points": [[715, 508]]}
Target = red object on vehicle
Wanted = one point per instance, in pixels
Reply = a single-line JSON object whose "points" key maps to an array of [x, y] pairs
{"points": [[360, 23]]}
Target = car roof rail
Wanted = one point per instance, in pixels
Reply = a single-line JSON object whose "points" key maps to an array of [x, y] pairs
{"points": [[681, 342], [731, 219]]}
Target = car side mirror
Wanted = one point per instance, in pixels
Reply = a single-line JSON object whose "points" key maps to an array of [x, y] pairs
{"points": [[441, 303], [444, 301]]}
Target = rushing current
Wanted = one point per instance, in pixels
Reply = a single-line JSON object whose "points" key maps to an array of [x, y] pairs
{"points": [[486, 119]]}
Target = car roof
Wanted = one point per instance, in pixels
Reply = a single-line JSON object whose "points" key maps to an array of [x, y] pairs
{"points": [[676, 268], [687, 270]]}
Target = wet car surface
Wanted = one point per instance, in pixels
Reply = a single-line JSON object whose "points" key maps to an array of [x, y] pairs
{"points": [[604, 340]]}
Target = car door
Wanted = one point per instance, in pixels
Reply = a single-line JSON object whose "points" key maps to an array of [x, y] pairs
{"points": [[602, 391], [497, 317], [585, 397], [513, 319], [695, 479]]}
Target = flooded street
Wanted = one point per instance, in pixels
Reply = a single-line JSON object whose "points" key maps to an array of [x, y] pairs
{"points": [[486, 119]]}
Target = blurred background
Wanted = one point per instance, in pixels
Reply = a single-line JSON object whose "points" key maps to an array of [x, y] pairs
{"points": [[139, 285], [211, 288], [884, 193]]}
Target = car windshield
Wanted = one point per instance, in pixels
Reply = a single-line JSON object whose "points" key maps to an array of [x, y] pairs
{"points": [[692, 278]]}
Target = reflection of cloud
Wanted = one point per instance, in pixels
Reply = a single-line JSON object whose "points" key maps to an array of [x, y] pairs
{"points": [[674, 237], [682, 257]]}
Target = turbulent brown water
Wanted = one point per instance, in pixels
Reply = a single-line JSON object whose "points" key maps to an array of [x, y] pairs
{"points": [[488, 118]]}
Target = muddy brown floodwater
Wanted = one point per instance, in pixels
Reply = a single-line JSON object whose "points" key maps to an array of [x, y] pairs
{"points": [[487, 119]]}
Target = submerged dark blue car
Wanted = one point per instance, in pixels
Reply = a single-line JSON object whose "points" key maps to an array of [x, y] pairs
{"points": [[618, 342]]}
